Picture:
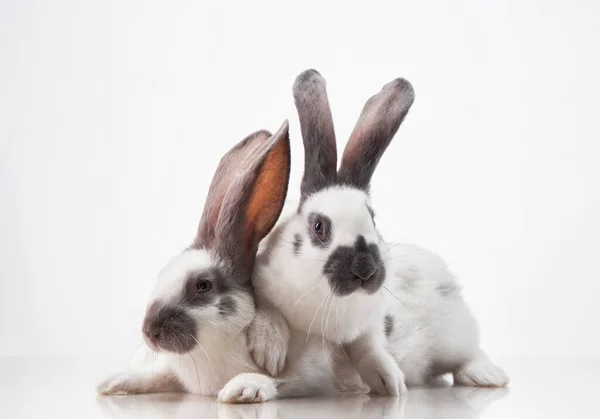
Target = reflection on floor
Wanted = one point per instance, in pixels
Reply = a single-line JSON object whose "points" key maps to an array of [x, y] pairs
{"points": [[31, 388], [423, 403]]}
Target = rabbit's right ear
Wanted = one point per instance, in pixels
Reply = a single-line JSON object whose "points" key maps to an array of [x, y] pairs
{"points": [[378, 122], [316, 124]]}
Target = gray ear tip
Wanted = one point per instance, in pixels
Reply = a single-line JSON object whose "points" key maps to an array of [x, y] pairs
{"points": [[283, 129], [403, 91], [402, 85], [306, 80]]}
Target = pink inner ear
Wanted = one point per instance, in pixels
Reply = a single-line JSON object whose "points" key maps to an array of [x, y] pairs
{"points": [[229, 167], [269, 193]]}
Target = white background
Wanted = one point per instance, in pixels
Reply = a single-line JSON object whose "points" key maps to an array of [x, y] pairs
{"points": [[113, 116]]}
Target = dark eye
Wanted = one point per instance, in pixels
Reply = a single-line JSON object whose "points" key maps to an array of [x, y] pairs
{"points": [[203, 286], [319, 228]]}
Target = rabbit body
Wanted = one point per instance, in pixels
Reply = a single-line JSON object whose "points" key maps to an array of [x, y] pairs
{"points": [[395, 311], [196, 323]]}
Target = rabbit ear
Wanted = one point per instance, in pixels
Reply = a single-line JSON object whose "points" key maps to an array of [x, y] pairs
{"points": [[228, 169], [256, 174], [378, 122], [316, 123]]}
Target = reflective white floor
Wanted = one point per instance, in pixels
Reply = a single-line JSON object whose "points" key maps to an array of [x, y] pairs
{"points": [[540, 388]]}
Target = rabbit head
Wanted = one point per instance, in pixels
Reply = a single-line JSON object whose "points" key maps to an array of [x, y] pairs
{"points": [[331, 249], [206, 289]]}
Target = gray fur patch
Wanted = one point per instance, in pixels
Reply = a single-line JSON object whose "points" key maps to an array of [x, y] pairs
{"points": [[169, 327], [446, 289], [378, 123], [388, 324], [219, 285], [350, 268], [323, 239], [316, 124], [297, 244], [227, 306], [271, 243]]}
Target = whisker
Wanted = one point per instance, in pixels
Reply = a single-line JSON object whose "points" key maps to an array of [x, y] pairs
{"points": [[314, 317], [318, 238], [393, 295], [153, 364], [207, 357], [328, 315], [337, 326], [324, 337], [137, 348], [327, 322], [407, 254], [307, 292], [196, 368], [390, 248]]}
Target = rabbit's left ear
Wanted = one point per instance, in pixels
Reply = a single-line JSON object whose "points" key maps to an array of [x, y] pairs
{"points": [[378, 123], [254, 199]]}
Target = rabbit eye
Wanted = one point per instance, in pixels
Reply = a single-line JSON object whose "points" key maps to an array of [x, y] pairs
{"points": [[203, 286], [319, 227]]}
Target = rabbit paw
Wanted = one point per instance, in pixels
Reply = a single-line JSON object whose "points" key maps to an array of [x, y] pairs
{"points": [[481, 373], [139, 382], [122, 383], [248, 388], [268, 338], [382, 375]]}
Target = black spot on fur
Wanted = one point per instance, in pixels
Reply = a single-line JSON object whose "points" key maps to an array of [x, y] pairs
{"points": [[388, 324], [227, 306], [297, 244], [170, 328], [446, 289], [350, 268], [371, 212], [324, 239]]}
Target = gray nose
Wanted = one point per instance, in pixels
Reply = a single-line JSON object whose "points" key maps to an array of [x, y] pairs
{"points": [[152, 333], [363, 266]]}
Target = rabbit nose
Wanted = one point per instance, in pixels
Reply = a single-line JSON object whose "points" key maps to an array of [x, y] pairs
{"points": [[364, 266], [155, 334], [152, 332]]}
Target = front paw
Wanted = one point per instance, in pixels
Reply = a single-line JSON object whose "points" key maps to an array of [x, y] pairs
{"points": [[248, 388], [382, 375], [268, 339], [121, 384]]}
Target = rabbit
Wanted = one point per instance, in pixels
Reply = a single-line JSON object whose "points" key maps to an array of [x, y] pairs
{"points": [[203, 300], [396, 311]]}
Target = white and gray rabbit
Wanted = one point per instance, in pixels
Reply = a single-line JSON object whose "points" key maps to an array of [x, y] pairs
{"points": [[203, 302], [396, 312]]}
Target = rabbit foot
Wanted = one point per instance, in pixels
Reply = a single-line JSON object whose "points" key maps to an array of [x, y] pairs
{"points": [[248, 388]]}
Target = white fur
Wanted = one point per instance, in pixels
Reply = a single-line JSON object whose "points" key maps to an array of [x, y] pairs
{"points": [[433, 330], [222, 352], [248, 388], [287, 278]]}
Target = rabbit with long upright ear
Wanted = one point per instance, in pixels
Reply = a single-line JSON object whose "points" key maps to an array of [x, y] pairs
{"points": [[203, 300], [399, 317]]}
